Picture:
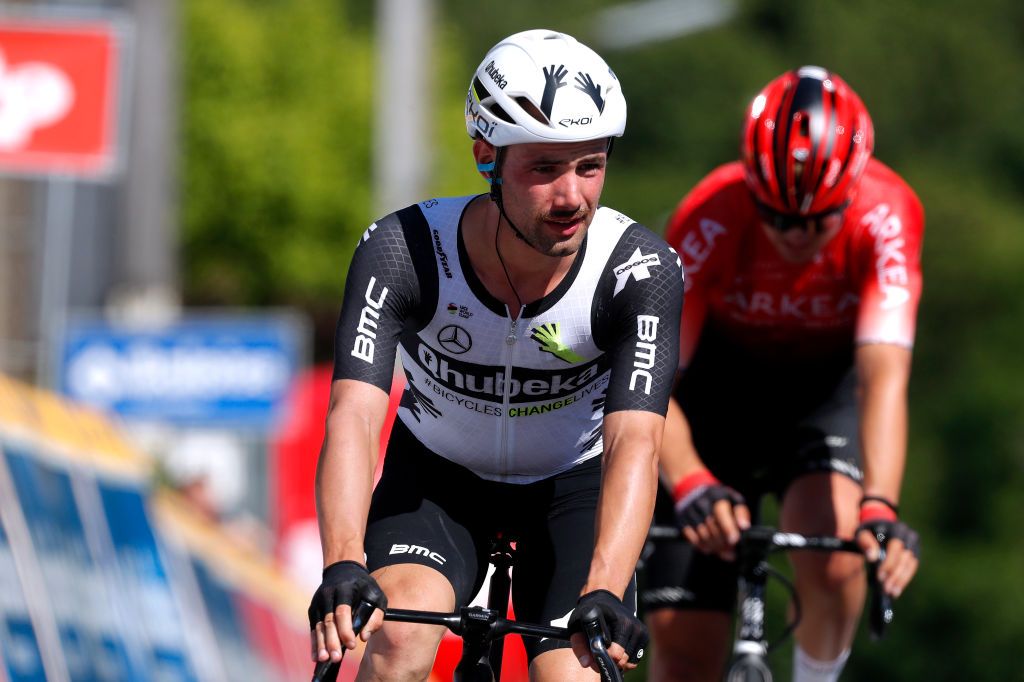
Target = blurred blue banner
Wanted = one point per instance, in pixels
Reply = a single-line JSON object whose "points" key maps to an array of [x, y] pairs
{"points": [[144, 584], [230, 370], [103, 578], [91, 638], [19, 648]]}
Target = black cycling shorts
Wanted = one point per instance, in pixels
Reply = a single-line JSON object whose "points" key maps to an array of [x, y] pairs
{"points": [[427, 510], [758, 427]]}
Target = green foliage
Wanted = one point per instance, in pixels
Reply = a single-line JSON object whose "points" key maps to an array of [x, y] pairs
{"points": [[276, 155]]}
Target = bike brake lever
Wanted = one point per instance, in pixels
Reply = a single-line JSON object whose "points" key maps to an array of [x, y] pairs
{"points": [[881, 611], [594, 633], [327, 671]]}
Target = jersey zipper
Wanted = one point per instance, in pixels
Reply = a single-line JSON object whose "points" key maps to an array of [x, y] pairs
{"points": [[506, 398]]}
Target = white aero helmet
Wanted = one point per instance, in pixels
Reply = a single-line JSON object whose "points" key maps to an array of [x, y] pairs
{"points": [[544, 86]]}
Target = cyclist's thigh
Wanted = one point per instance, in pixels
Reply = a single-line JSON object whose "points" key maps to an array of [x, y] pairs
{"points": [[824, 503], [418, 517], [556, 544], [689, 645], [560, 665]]}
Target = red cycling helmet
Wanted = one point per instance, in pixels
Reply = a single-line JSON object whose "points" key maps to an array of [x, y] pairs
{"points": [[806, 140]]}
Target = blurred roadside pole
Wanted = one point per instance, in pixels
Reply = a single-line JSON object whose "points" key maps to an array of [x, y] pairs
{"points": [[62, 148], [402, 128]]}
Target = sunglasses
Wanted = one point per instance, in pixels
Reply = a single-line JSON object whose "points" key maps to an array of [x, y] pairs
{"points": [[784, 222]]}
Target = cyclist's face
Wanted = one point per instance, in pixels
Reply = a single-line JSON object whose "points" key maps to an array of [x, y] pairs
{"points": [[551, 191], [800, 242]]}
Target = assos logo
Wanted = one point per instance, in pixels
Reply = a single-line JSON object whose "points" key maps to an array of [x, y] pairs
{"points": [[495, 75], [638, 267]]}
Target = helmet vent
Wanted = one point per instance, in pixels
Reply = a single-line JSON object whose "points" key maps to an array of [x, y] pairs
{"points": [[500, 113], [481, 91], [531, 108]]}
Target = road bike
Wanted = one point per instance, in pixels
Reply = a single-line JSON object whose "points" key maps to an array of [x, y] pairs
{"points": [[483, 629], [749, 661]]}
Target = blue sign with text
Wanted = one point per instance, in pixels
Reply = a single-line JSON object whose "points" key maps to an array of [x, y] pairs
{"points": [[231, 371]]}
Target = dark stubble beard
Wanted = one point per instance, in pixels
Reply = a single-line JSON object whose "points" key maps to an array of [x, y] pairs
{"points": [[545, 242]]}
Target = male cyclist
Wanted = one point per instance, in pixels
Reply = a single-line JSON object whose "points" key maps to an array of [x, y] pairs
{"points": [[538, 332], [803, 279]]}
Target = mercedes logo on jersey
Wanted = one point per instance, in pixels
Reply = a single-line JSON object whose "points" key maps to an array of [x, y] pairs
{"points": [[454, 339]]}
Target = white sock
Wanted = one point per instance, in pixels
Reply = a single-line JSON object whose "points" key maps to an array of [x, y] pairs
{"points": [[807, 669]]}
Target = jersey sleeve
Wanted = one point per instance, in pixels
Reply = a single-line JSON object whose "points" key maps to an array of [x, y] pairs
{"points": [[697, 231], [637, 309], [382, 295], [889, 252]]}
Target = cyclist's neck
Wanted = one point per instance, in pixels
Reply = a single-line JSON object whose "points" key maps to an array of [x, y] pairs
{"points": [[495, 249]]}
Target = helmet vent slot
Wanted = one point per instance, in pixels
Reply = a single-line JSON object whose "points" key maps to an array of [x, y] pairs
{"points": [[532, 109]]}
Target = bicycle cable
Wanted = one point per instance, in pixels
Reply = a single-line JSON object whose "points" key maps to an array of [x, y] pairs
{"points": [[793, 599]]}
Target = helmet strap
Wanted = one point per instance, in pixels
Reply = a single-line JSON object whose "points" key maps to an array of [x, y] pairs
{"points": [[498, 199]]}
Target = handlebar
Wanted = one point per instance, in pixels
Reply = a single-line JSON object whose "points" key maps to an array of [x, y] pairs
{"points": [[327, 671], [758, 542], [491, 624]]}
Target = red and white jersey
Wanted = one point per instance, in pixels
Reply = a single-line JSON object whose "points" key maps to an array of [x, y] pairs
{"points": [[862, 287]]}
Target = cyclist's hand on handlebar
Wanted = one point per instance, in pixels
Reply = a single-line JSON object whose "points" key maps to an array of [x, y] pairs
{"points": [[710, 514], [627, 634], [345, 584], [883, 536]]}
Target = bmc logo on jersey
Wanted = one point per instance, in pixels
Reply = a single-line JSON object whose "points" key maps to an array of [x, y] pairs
{"points": [[638, 267], [643, 357], [366, 330], [418, 551]]}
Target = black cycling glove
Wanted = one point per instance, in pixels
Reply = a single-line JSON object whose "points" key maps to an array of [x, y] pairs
{"points": [[885, 530], [694, 509], [618, 621], [344, 582]]}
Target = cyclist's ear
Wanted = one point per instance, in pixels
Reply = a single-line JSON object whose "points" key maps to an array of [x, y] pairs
{"points": [[485, 155]]}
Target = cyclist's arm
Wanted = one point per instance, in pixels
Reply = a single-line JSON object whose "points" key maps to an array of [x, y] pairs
{"points": [[344, 475], [382, 293], [884, 372], [638, 322], [678, 457], [378, 301], [626, 504]]}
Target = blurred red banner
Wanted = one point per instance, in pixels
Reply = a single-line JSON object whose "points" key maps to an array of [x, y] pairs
{"points": [[58, 97]]}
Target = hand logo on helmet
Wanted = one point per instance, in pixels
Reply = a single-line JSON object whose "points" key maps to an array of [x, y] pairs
{"points": [[587, 85], [554, 79]]}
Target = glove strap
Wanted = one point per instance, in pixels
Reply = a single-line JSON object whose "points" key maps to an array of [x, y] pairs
{"points": [[877, 508], [692, 484], [342, 563]]}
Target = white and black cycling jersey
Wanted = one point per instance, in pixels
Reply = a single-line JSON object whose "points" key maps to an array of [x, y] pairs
{"points": [[511, 400]]}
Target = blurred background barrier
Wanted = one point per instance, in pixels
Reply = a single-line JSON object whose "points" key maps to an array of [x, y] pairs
{"points": [[106, 576]]}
